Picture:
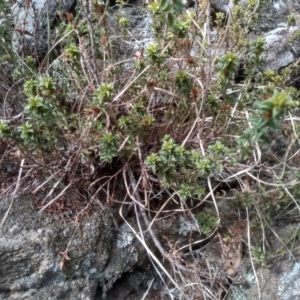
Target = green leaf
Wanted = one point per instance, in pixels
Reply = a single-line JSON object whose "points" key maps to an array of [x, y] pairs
{"points": [[165, 6]]}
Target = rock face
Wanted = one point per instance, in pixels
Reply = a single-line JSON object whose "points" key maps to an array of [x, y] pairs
{"points": [[281, 38], [278, 279], [33, 23], [32, 249], [33, 19], [41, 257]]}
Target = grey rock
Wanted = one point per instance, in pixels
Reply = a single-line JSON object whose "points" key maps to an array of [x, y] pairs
{"points": [[129, 255], [278, 279], [141, 32], [282, 43], [30, 254], [283, 46], [35, 23], [220, 6], [280, 52], [272, 15], [124, 287], [31, 248]]}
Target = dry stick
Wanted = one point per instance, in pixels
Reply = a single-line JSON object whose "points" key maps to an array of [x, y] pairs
{"points": [[65, 252], [15, 183], [101, 187], [257, 160], [198, 28], [144, 206], [143, 176], [195, 30], [92, 37], [85, 68], [55, 45], [152, 234], [198, 116], [278, 237], [290, 158], [5, 101], [129, 194], [148, 250], [209, 292], [284, 185], [210, 61], [166, 92], [262, 228], [46, 181], [197, 242], [286, 157], [213, 197], [288, 192], [160, 210], [147, 292], [228, 25], [133, 38], [138, 220], [124, 143], [139, 224], [98, 179], [233, 110], [60, 194], [249, 247], [289, 147], [56, 184], [239, 173], [129, 84], [52, 190], [208, 237], [209, 185], [14, 193]]}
